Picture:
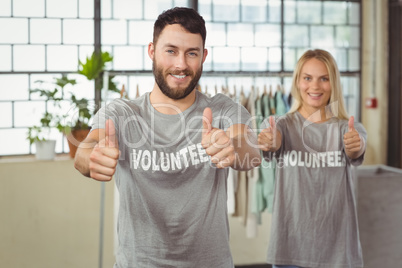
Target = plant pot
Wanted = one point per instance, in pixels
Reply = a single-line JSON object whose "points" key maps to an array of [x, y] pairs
{"points": [[45, 150], [74, 138]]}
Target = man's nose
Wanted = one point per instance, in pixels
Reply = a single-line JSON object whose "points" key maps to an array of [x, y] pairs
{"points": [[181, 62]]}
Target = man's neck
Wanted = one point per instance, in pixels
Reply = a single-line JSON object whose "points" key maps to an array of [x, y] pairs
{"points": [[166, 105]]}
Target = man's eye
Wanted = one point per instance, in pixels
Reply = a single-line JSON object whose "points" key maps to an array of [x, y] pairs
{"points": [[193, 54], [170, 51]]}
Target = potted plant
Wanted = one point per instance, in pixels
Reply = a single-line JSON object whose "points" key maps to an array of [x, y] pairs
{"points": [[40, 135], [78, 126]]}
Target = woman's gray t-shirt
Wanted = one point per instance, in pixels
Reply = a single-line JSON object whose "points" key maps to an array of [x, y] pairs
{"points": [[314, 221]]}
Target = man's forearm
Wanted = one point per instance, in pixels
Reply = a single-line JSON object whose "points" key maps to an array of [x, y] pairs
{"points": [[81, 160]]}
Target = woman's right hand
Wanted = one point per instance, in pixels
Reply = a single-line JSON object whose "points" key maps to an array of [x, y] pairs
{"points": [[270, 139]]}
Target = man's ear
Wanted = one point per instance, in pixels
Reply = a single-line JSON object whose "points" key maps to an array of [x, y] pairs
{"points": [[151, 50], [205, 55]]}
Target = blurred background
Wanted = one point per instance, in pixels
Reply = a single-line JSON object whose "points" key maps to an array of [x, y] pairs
{"points": [[61, 60]]}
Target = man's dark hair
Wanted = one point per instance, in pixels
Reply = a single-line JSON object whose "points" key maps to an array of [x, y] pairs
{"points": [[188, 18]]}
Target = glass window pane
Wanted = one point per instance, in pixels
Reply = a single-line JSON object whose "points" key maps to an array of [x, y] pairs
{"points": [[127, 9], [240, 34], [61, 8], [15, 87], [254, 59], [181, 3], [216, 34], [268, 35], [29, 58], [289, 59], [226, 59], [128, 58], [5, 8], [290, 11], [354, 37], [140, 32], [28, 113], [274, 7], [45, 31], [322, 36], [114, 32], [335, 12], [86, 51], [296, 36], [6, 117], [5, 56], [86, 9], [154, 7], [274, 57], [253, 10], [106, 10], [308, 12], [13, 142], [347, 36], [341, 57], [204, 8], [224, 10], [354, 60], [83, 89], [28, 8], [41, 81], [16, 34], [62, 58], [350, 87], [354, 13], [78, 31], [144, 83]]}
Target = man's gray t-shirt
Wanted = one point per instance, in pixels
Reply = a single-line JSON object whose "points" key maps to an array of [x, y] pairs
{"points": [[314, 221], [173, 210]]}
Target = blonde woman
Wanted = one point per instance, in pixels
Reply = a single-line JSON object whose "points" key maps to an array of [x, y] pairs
{"points": [[314, 222]]}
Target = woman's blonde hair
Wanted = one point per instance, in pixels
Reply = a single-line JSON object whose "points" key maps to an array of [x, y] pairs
{"points": [[336, 102]]}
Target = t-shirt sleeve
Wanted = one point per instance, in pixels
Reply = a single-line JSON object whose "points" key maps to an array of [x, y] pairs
{"points": [[232, 113], [108, 111]]}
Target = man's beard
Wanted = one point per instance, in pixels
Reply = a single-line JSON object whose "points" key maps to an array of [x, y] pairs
{"points": [[167, 90]]}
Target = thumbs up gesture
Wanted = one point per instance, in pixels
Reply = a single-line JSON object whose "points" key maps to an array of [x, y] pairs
{"points": [[216, 142], [352, 140], [104, 156], [269, 138]]}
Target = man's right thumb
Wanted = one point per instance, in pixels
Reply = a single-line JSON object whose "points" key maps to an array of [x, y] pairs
{"points": [[111, 138], [272, 123], [207, 120]]}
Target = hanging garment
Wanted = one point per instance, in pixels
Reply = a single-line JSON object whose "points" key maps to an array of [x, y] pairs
{"points": [[267, 169], [280, 105], [252, 176]]}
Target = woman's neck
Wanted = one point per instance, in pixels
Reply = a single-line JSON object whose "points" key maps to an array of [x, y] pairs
{"points": [[315, 115]]}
